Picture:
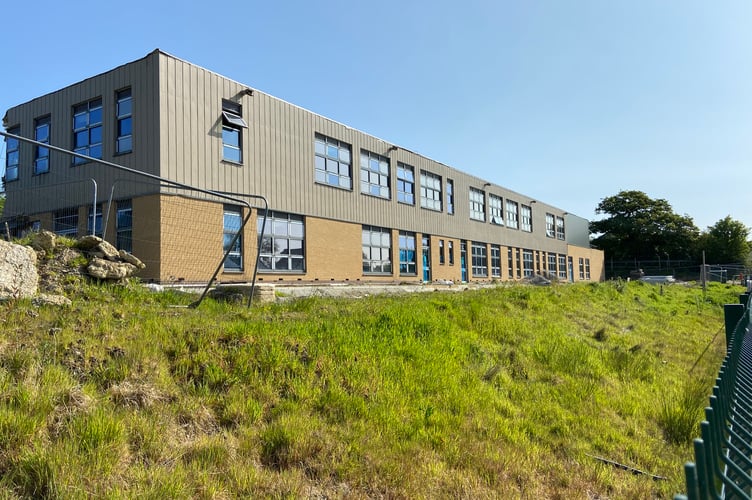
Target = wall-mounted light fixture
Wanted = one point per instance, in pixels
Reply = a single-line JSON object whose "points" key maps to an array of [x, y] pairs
{"points": [[486, 184], [248, 91]]}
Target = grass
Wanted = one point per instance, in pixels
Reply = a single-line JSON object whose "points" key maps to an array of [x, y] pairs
{"points": [[501, 392]]}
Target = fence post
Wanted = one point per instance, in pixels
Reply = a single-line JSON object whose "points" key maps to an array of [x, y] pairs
{"points": [[732, 313]]}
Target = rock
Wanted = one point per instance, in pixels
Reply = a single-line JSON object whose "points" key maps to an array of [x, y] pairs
{"points": [[18, 271], [109, 251], [44, 299], [131, 259], [43, 240], [89, 242], [108, 270], [153, 287]]}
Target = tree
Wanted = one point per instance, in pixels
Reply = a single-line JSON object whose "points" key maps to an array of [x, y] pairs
{"points": [[725, 242], [640, 227]]}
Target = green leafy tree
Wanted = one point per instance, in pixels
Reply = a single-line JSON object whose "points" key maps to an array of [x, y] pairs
{"points": [[725, 242], [639, 227]]}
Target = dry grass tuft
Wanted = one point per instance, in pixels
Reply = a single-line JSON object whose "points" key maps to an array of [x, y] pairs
{"points": [[136, 395], [68, 404]]}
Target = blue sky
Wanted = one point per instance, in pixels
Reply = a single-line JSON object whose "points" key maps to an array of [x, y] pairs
{"points": [[564, 101]]}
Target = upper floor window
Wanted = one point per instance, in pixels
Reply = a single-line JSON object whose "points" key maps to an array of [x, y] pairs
{"points": [[477, 205], [550, 226], [512, 220], [12, 149], [526, 213], [42, 154], [124, 111], [283, 243], [560, 235], [450, 196], [430, 191], [232, 126], [374, 174], [405, 184], [377, 250], [495, 210], [87, 130], [333, 163]]}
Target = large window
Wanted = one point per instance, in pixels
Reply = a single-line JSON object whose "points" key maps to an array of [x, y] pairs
{"points": [[552, 264], [65, 222], [477, 205], [495, 261], [405, 184], [430, 191], [12, 155], [374, 174], [527, 262], [232, 132], [232, 242], [550, 226], [526, 214], [283, 243], [94, 221], [377, 250], [124, 225], [495, 210], [124, 117], [562, 267], [560, 235], [87, 130], [42, 154], [450, 196], [333, 163], [407, 255], [512, 220], [479, 258]]}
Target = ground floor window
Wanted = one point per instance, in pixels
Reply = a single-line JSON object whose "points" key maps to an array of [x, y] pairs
{"points": [[94, 224], [587, 269], [552, 264], [377, 250], [65, 222], [495, 261], [407, 257], [124, 226], [479, 259], [527, 261], [582, 268], [562, 267], [510, 263], [518, 261], [232, 246], [283, 243]]}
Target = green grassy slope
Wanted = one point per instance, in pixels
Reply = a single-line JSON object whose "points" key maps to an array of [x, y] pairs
{"points": [[499, 393]]}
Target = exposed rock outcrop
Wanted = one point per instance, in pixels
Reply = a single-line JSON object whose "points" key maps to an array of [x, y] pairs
{"points": [[18, 271]]}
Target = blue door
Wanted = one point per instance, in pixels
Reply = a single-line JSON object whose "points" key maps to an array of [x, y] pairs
{"points": [[426, 260]]}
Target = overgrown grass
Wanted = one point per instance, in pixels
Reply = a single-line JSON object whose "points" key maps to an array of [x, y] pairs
{"points": [[502, 392]]}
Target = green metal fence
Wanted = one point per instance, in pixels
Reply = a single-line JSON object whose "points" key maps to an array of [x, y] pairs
{"points": [[723, 455]]}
